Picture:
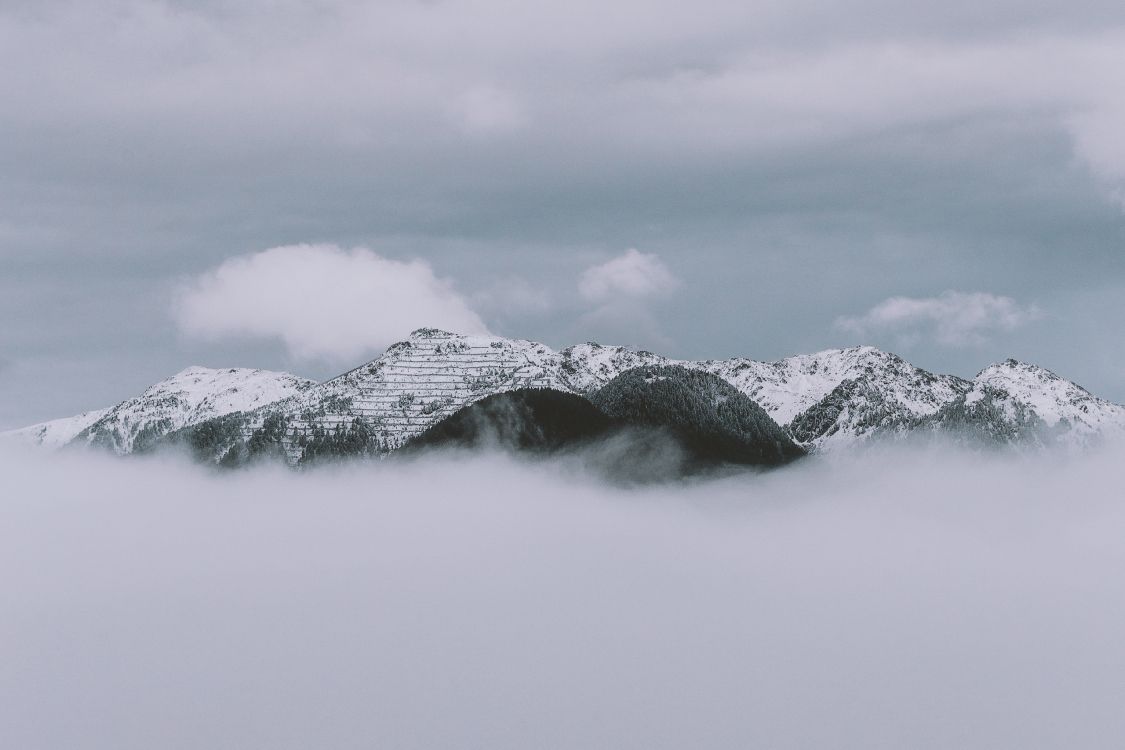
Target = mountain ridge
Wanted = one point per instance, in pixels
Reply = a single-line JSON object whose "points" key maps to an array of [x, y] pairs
{"points": [[191, 396], [825, 401]]}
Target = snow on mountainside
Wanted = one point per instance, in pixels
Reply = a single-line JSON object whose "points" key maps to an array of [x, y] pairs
{"points": [[189, 397], [863, 389], [414, 384], [56, 433], [880, 393], [587, 367], [825, 401], [1056, 401], [790, 387], [1014, 402]]}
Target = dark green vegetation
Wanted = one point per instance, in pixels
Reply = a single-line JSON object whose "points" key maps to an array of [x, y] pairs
{"points": [[345, 441], [230, 441], [217, 441], [713, 421], [688, 420], [537, 420]]}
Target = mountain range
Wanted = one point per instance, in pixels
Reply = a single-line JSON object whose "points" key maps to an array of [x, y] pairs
{"points": [[741, 409]]}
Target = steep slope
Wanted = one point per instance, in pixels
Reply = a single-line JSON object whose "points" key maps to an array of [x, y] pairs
{"points": [[833, 398], [190, 397], [1017, 403], [787, 387], [56, 433], [714, 421], [881, 394]]}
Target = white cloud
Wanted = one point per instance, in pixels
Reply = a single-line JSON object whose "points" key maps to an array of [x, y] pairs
{"points": [[952, 318], [633, 274], [619, 292], [322, 301]]}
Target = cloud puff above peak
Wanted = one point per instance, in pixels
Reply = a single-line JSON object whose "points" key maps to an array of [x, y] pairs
{"points": [[632, 274], [321, 301], [952, 318]]}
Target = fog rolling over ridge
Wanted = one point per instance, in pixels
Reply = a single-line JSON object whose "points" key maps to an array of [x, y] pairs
{"points": [[891, 599]]}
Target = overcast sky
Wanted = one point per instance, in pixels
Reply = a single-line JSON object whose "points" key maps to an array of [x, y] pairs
{"points": [[711, 179]]}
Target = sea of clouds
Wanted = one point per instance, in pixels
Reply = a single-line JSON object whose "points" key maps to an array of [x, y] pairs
{"points": [[922, 599]]}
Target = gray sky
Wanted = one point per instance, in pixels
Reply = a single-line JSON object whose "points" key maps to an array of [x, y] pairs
{"points": [[790, 167]]}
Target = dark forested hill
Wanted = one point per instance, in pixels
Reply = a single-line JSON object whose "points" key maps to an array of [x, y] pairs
{"points": [[529, 419], [715, 422], [648, 423]]}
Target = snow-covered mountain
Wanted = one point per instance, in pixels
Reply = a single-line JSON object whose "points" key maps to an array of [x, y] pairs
{"points": [[55, 433], [825, 401], [1014, 402], [837, 396], [189, 397]]}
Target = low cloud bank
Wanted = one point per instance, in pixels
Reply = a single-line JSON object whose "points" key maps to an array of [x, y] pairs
{"points": [[923, 600]]}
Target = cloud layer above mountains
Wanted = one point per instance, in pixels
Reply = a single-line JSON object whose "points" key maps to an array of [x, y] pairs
{"points": [[921, 600], [648, 80]]}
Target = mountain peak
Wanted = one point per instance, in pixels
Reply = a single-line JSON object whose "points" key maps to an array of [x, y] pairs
{"points": [[199, 371], [1059, 403], [1013, 370], [1012, 364], [433, 333]]}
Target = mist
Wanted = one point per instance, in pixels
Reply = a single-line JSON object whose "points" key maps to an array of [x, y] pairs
{"points": [[921, 598]]}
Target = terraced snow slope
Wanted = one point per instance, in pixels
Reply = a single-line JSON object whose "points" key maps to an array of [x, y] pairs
{"points": [[189, 397], [418, 382]]}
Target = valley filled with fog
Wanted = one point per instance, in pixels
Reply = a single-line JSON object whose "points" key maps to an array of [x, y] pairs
{"points": [[924, 599]]}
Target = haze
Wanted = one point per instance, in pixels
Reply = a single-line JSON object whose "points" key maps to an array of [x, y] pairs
{"points": [[911, 599]]}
